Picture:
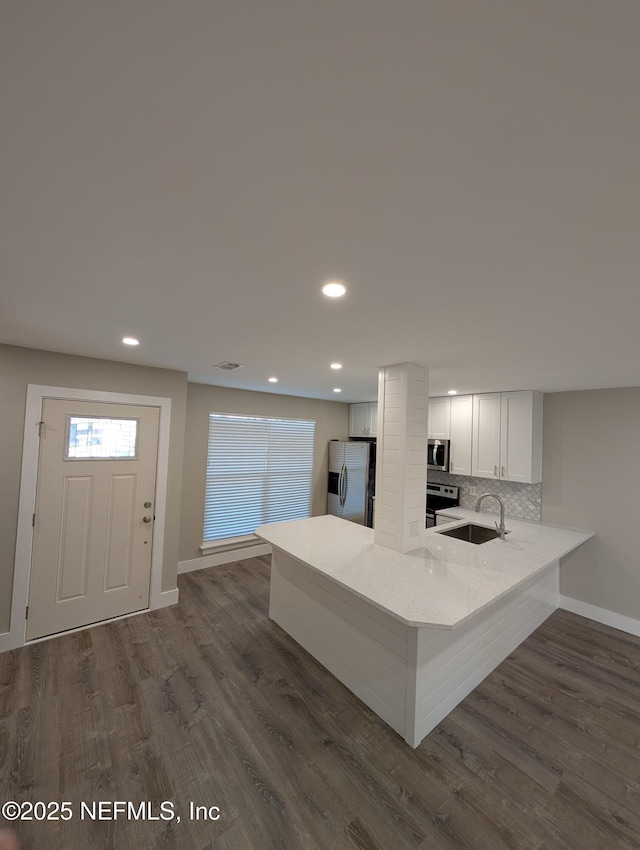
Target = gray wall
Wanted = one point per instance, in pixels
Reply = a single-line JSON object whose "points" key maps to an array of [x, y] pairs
{"points": [[332, 422], [591, 464], [590, 479], [22, 366]]}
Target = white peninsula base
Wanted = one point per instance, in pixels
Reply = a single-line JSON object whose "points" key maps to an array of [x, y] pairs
{"points": [[411, 676], [412, 634]]}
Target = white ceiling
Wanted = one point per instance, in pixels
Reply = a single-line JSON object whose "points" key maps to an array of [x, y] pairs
{"points": [[191, 172]]}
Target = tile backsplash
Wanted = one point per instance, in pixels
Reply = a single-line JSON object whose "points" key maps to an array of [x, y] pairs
{"points": [[521, 501]]}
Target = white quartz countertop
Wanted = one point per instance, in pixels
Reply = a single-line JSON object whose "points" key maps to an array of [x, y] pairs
{"points": [[440, 585]]}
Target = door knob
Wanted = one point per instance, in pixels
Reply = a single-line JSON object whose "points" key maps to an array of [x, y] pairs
{"points": [[147, 504], [146, 519]]}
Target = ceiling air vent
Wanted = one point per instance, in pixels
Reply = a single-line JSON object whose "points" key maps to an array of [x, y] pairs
{"points": [[228, 366]]}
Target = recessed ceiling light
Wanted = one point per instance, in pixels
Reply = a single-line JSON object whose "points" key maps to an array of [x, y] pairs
{"points": [[334, 289], [336, 365], [337, 390], [273, 380], [130, 340], [452, 392]]}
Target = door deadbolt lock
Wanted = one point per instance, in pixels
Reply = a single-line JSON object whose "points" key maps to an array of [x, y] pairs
{"points": [[146, 519], [147, 504]]}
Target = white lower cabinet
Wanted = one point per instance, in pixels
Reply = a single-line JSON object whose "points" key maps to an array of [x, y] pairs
{"points": [[507, 436], [445, 519]]}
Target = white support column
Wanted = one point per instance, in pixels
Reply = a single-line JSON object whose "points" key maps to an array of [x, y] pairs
{"points": [[401, 471]]}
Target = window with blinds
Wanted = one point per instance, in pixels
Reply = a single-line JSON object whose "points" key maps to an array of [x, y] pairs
{"points": [[259, 470]]}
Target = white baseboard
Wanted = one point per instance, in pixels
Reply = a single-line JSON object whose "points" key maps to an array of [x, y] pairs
{"points": [[601, 615], [220, 558], [15, 639], [166, 598], [9, 640]]}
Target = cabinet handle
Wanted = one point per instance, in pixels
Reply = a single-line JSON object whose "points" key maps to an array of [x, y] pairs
{"points": [[495, 471], [503, 471]]}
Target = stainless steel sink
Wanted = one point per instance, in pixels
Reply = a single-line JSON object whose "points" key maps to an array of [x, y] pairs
{"points": [[472, 533]]}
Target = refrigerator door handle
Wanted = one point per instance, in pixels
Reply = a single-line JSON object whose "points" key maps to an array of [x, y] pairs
{"points": [[340, 474], [345, 485]]}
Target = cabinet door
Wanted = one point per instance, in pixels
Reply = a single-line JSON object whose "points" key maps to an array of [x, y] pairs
{"points": [[486, 435], [445, 519], [439, 426], [358, 420], [521, 437], [373, 419], [461, 431]]}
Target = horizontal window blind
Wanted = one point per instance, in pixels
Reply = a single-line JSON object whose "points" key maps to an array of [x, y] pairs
{"points": [[259, 470]]}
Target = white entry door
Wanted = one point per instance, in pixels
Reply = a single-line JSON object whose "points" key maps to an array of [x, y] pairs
{"points": [[94, 511]]}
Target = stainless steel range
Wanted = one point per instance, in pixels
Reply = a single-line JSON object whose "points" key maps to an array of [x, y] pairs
{"points": [[440, 496]]}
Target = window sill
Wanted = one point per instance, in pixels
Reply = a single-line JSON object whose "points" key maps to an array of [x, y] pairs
{"points": [[228, 544]]}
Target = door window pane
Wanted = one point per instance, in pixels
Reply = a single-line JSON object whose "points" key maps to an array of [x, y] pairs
{"points": [[101, 438]]}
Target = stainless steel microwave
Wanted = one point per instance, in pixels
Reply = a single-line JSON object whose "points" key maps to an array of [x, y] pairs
{"points": [[438, 454]]}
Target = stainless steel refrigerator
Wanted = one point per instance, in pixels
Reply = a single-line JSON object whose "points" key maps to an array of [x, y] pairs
{"points": [[351, 480]]}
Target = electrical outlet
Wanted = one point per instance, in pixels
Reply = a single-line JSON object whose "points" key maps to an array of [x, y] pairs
{"points": [[473, 490], [414, 528]]}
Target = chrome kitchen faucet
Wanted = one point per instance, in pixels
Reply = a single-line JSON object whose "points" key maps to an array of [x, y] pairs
{"points": [[500, 528]]}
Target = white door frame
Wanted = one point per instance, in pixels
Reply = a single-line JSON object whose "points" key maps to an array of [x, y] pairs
{"points": [[36, 393]]}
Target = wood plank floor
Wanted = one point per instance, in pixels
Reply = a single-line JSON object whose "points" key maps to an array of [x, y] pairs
{"points": [[211, 702]]}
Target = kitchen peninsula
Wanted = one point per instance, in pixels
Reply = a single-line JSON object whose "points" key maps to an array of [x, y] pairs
{"points": [[412, 634]]}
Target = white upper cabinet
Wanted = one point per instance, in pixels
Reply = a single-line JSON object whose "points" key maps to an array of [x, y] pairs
{"points": [[461, 434], [486, 436], [439, 423], [521, 437], [493, 435], [373, 419], [363, 419], [507, 436], [358, 419]]}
